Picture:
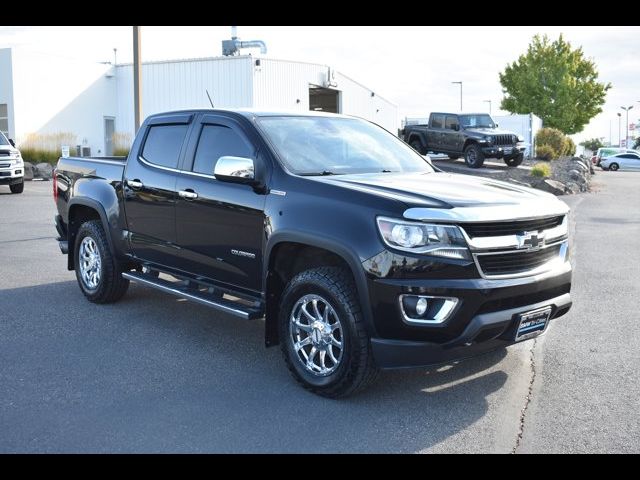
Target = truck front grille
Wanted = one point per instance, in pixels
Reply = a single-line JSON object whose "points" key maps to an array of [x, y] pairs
{"points": [[503, 139], [516, 262], [497, 229], [5, 165], [5, 174]]}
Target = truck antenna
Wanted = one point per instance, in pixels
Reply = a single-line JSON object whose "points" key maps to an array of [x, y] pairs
{"points": [[210, 101]]}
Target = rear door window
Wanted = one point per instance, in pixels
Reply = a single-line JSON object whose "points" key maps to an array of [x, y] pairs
{"points": [[163, 144], [437, 121]]}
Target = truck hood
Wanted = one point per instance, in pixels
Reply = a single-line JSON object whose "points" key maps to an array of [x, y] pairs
{"points": [[488, 131], [449, 191]]}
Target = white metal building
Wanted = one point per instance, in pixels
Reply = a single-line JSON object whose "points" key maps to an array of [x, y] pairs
{"points": [[526, 124], [42, 95]]}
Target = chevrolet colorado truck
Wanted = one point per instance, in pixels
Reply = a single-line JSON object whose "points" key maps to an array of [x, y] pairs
{"points": [[358, 254], [11, 165], [472, 135]]}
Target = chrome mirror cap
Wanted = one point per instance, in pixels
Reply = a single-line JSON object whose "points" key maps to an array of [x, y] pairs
{"points": [[235, 169]]}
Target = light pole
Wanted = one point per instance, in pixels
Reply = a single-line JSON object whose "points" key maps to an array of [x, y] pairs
{"points": [[626, 137], [619, 134], [460, 83], [489, 102]]}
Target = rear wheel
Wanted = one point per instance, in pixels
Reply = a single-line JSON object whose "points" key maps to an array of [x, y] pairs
{"points": [[613, 167], [322, 336], [416, 144], [17, 187], [473, 156], [515, 161], [97, 271]]}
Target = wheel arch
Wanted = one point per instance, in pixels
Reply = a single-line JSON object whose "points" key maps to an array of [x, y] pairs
{"points": [[292, 252], [80, 211]]}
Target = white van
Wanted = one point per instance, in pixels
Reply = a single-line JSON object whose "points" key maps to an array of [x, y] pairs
{"points": [[11, 165]]}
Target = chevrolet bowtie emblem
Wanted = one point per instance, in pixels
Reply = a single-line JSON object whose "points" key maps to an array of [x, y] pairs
{"points": [[530, 240]]}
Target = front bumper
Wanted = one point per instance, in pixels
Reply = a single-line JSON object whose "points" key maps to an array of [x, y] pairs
{"points": [[485, 332], [503, 151], [11, 175], [483, 319]]}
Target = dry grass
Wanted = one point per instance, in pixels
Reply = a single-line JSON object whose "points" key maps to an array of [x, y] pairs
{"points": [[38, 148], [121, 144]]}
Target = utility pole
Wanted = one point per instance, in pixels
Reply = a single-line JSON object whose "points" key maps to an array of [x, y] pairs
{"points": [[486, 101], [460, 83], [137, 76]]}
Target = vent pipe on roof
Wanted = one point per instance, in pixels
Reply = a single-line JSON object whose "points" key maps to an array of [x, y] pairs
{"points": [[233, 46]]}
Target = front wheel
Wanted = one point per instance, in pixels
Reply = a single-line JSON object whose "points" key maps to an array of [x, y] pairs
{"points": [[322, 335], [473, 156], [17, 187], [613, 167], [97, 271], [515, 161], [417, 146]]}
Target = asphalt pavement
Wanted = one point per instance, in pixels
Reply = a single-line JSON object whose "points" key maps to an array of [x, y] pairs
{"points": [[156, 374]]}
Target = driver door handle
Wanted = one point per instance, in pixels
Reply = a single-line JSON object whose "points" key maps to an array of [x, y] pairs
{"points": [[135, 183], [188, 194]]}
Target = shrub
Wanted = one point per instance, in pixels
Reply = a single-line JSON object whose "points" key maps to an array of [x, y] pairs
{"points": [[545, 152], [121, 144], [554, 138], [38, 148], [541, 170], [569, 147]]}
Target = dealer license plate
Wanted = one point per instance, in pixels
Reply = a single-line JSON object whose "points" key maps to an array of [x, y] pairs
{"points": [[532, 323], [508, 150]]}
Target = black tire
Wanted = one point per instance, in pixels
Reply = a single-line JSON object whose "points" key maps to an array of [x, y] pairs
{"points": [[454, 157], [111, 286], [613, 167], [473, 156], [355, 369], [514, 161], [416, 144], [17, 187]]}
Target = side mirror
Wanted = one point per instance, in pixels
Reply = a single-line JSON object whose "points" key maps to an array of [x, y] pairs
{"points": [[13, 144], [235, 170], [455, 127], [495, 125]]}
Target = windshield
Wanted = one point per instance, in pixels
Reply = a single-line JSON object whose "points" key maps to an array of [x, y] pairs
{"points": [[333, 146], [477, 121], [3, 139]]}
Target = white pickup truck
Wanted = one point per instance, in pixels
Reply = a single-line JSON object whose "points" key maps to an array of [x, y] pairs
{"points": [[11, 165]]}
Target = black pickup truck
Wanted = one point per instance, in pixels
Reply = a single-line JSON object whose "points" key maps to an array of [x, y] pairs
{"points": [[356, 251], [472, 135]]}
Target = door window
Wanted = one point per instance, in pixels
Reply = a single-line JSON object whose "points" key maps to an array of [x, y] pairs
{"points": [[163, 144], [218, 141], [437, 121], [451, 122]]}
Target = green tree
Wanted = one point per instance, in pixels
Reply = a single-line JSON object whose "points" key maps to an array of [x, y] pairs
{"points": [[592, 144], [555, 82]]}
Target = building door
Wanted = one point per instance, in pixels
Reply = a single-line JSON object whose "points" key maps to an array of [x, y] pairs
{"points": [[324, 99], [109, 130]]}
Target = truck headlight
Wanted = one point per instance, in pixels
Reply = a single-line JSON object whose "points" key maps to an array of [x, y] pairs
{"points": [[430, 239], [16, 161], [488, 139], [520, 138]]}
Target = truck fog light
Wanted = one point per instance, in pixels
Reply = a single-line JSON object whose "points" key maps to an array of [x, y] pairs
{"points": [[426, 309], [421, 306]]}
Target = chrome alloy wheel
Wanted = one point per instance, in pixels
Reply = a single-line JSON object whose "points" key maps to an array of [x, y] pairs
{"points": [[316, 335], [90, 263]]}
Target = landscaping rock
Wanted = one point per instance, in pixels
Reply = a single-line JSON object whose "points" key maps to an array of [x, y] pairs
{"points": [[44, 171], [572, 188], [28, 171], [551, 186], [577, 176], [579, 166]]}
